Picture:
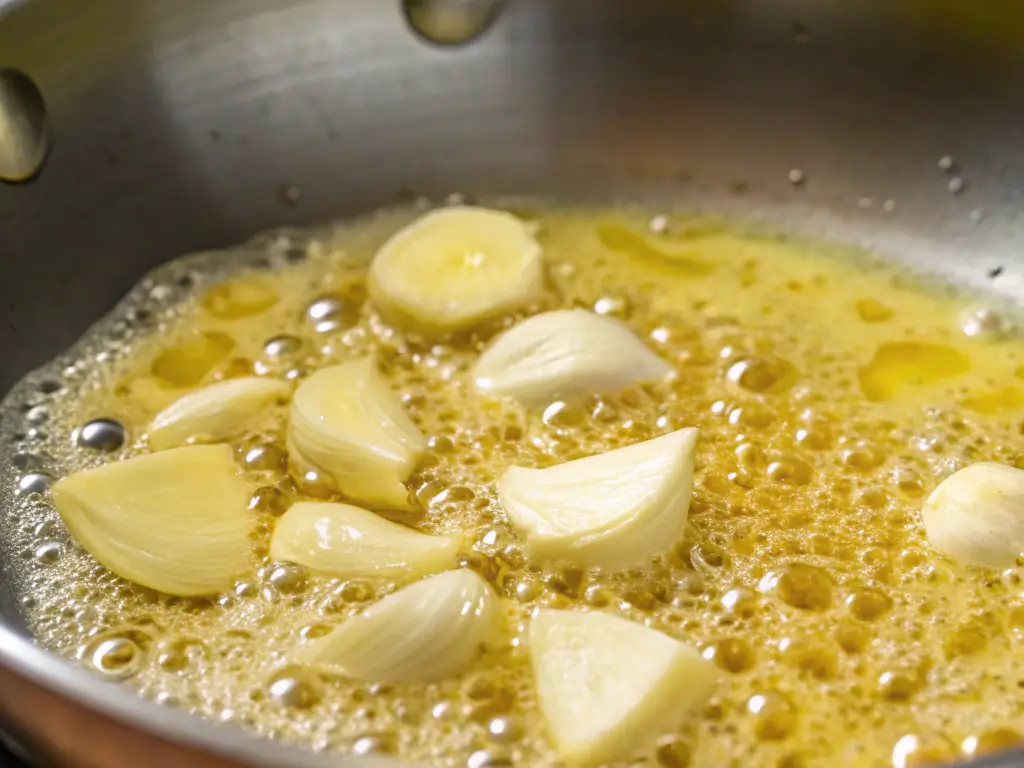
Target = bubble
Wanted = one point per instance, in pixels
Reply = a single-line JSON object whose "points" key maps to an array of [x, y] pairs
{"points": [[266, 457], [984, 323], [488, 758], [295, 688], [796, 177], [505, 730], [269, 500], [101, 435], [766, 374], [672, 752], [34, 483], [282, 346], [869, 604], [288, 578], [801, 586], [919, 750], [775, 715], [48, 552], [731, 654], [244, 297], [374, 744], [897, 684], [811, 657], [991, 742], [333, 312], [114, 656]]}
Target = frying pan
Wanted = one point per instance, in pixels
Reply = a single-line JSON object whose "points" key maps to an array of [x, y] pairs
{"points": [[172, 126]]}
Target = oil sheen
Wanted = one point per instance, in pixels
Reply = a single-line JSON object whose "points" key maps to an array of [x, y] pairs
{"points": [[831, 397]]}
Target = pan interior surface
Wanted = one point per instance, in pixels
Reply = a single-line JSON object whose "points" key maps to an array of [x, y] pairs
{"points": [[182, 126]]}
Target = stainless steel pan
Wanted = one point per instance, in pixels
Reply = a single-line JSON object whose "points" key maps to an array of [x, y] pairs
{"points": [[176, 124]]}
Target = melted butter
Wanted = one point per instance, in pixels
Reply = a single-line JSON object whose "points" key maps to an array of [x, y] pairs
{"points": [[830, 397]]}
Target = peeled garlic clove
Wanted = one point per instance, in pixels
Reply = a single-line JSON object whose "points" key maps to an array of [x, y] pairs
{"points": [[347, 541], [174, 521], [608, 687], [614, 510], [454, 267], [219, 412], [429, 631], [346, 424], [563, 354], [976, 515]]}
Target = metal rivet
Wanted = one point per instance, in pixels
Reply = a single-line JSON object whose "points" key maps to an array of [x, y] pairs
{"points": [[451, 22], [24, 127]]}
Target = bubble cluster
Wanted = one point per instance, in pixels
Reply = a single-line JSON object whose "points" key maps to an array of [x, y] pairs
{"points": [[803, 573]]}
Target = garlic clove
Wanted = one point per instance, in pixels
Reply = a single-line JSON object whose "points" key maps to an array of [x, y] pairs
{"points": [[219, 412], [563, 354], [347, 425], [347, 541], [608, 687], [431, 630], [174, 521], [454, 267], [976, 515], [614, 510]]}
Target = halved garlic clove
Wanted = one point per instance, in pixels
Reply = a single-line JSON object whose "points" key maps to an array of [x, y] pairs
{"points": [[614, 510], [429, 631], [454, 267], [174, 521], [346, 424], [565, 353], [347, 541], [976, 515], [219, 412], [608, 687]]}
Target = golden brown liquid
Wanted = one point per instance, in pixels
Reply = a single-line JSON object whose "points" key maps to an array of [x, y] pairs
{"points": [[831, 399]]}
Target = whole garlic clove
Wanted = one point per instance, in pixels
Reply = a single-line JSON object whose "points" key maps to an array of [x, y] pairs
{"points": [[219, 412], [614, 510], [346, 424], [347, 541], [175, 521], [607, 686], [563, 354], [431, 630], [976, 515]]}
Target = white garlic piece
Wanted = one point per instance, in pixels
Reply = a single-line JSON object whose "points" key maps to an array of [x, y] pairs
{"points": [[454, 267], [615, 510], [219, 412], [429, 631], [976, 515], [347, 541], [563, 354], [608, 687], [175, 521], [347, 425]]}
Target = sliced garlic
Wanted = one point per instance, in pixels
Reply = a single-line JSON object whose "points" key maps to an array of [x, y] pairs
{"points": [[565, 353], [431, 630], [976, 515], [347, 541], [614, 510], [346, 424], [454, 267], [608, 687], [221, 411], [174, 521]]}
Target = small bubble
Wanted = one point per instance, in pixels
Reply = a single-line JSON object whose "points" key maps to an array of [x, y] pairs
{"points": [[946, 162], [295, 687], [865, 202], [34, 483], [115, 656], [991, 742], [776, 715], [658, 225], [264, 457], [672, 752], [801, 586], [889, 206], [37, 414], [484, 758], [376, 744], [101, 435], [282, 346], [956, 185], [289, 194], [897, 685], [504, 730], [288, 577], [984, 323], [48, 552], [331, 313], [269, 499], [796, 177], [920, 750], [869, 604], [976, 215]]}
